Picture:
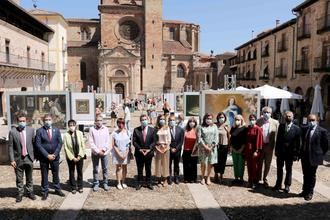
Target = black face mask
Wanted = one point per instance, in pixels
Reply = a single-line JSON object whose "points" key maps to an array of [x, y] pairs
{"points": [[288, 120]]}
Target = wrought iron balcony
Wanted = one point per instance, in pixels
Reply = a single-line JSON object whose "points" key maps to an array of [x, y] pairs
{"points": [[282, 46], [302, 66], [304, 31], [281, 72], [322, 64], [323, 24], [24, 62]]}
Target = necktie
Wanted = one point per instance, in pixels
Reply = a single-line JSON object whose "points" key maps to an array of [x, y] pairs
{"points": [[49, 134], [22, 139], [145, 134]]}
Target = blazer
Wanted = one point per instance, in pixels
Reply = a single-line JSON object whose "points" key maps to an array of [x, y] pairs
{"points": [[177, 141], [14, 144], [272, 129], [68, 145], [315, 148], [288, 143], [139, 143], [44, 146]]}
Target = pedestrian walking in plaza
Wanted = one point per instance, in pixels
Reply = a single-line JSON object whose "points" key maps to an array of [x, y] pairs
{"points": [[75, 151], [269, 129], [208, 139], [144, 141], [222, 147], [238, 140], [177, 135], [121, 142], [162, 158], [127, 117], [99, 141], [21, 155], [287, 150], [253, 149], [190, 160], [166, 108], [49, 145], [315, 146]]}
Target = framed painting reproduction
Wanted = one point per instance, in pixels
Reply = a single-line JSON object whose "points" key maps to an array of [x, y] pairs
{"points": [[191, 105], [231, 103], [179, 102], [36, 104], [100, 101], [83, 107]]}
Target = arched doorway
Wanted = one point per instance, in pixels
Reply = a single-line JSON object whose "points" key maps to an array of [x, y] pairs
{"points": [[120, 89]]}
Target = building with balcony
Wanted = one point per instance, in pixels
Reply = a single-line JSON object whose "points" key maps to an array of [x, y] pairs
{"points": [[24, 55]]}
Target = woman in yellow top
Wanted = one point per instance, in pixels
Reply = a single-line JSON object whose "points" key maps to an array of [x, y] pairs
{"points": [[74, 146]]}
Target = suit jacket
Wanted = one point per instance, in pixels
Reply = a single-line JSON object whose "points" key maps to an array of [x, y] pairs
{"points": [[315, 148], [288, 143], [139, 143], [177, 141], [45, 146], [273, 128], [68, 145], [15, 146]]}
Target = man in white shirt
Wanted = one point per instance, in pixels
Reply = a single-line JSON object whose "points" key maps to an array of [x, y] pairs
{"points": [[127, 117]]}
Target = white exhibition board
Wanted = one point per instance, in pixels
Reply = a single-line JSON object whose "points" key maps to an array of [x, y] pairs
{"points": [[83, 107], [171, 99]]}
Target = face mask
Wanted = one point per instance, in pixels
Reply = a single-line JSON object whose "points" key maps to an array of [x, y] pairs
{"points": [[252, 122], [48, 124], [209, 121], [72, 128], [121, 126], [191, 124], [288, 120], [162, 122], [98, 124], [144, 123], [237, 123], [21, 125], [313, 123], [267, 115], [172, 123], [221, 120]]}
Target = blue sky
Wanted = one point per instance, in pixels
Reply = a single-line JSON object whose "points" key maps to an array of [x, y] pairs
{"points": [[225, 24]]}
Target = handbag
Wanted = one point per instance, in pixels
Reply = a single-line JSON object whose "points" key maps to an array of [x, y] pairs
{"points": [[195, 151]]}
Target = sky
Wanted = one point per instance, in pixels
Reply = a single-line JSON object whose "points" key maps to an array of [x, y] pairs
{"points": [[225, 24]]}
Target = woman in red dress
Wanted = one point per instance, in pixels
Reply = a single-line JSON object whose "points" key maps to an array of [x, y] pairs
{"points": [[252, 150]]}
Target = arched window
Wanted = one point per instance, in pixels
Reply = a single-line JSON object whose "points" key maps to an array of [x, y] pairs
{"points": [[180, 71], [119, 73], [83, 74], [85, 33]]}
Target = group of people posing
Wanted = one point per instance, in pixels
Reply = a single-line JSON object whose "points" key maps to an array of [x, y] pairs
{"points": [[252, 143]]}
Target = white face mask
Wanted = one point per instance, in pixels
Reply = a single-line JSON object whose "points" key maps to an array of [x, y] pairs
{"points": [[237, 123], [72, 128], [209, 121], [221, 120], [192, 124], [253, 122]]}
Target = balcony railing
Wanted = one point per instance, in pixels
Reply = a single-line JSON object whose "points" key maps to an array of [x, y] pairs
{"points": [[282, 46], [302, 66], [23, 62], [322, 64], [304, 31], [281, 72], [323, 24]]}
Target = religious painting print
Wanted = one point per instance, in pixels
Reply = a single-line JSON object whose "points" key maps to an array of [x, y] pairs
{"points": [[82, 106]]}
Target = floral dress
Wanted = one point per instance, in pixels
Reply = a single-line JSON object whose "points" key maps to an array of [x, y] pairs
{"points": [[208, 135]]}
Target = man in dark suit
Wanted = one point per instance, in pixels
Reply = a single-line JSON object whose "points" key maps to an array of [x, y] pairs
{"points": [[21, 140], [177, 135], [48, 145], [315, 146], [144, 141], [287, 150]]}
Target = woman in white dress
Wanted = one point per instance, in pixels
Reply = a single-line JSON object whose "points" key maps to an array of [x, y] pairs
{"points": [[120, 149]]}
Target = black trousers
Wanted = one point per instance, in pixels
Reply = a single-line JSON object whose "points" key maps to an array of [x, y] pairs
{"points": [[174, 157], [280, 161], [44, 166], [143, 162], [79, 166], [189, 166], [222, 159], [24, 165], [309, 173]]}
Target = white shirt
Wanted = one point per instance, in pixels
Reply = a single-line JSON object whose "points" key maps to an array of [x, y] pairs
{"points": [[127, 114], [265, 132], [288, 126]]}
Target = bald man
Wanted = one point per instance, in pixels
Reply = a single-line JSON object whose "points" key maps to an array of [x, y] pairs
{"points": [[315, 146]]}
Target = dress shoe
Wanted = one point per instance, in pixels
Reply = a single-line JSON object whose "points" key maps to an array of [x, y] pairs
{"points": [[287, 189], [32, 196], [302, 194], [169, 180], [60, 193], [138, 186], [308, 197], [73, 191], [96, 188], [276, 188], [19, 198], [151, 187], [44, 196], [176, 180], [266, 185], [80, 190]]}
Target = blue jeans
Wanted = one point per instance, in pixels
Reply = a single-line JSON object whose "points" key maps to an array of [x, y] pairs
{"points": [[96, 163]]}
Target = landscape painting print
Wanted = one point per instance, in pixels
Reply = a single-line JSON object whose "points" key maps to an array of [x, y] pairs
{"points": [[82, 106], [232, 104], [192, 105]]}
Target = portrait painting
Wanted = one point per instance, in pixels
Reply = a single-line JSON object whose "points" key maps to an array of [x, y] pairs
{"points": [[30, 102], [179, 102], [82, 106]]}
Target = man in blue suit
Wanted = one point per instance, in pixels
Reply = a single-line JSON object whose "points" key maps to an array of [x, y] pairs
{"points": [[48, 145]]}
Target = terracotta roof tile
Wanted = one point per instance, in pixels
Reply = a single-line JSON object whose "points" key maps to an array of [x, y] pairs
{"points": [[175, 47]]}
